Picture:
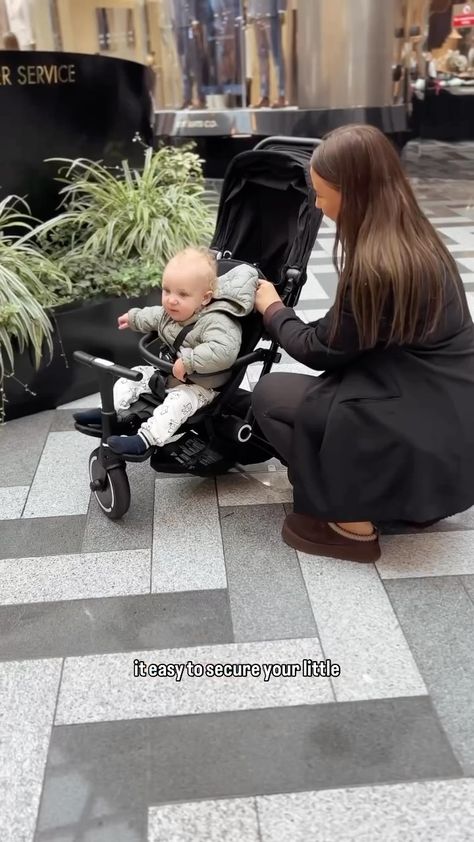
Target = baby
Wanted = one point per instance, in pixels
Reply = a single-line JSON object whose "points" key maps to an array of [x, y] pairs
{"points": [[192, 294]]}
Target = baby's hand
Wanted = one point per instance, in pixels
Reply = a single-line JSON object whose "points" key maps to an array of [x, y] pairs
{"points": [[179, 370], [122, 322]]}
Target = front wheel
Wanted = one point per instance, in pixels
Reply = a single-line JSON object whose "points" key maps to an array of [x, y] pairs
{"points": [[110, 488]]}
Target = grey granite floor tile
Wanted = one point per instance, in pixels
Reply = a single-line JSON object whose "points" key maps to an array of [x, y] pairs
{"points": [[321, 267], [470, 298], [314, 287], [447, 553], [83, 403], [74, 576], [135, 529], [228, 820], [62, 421], [41, 536], [21, 445], [187, 541], [12, 501], [112, 772], [61, 483], [96, 791], [314, 315], [437, 618], [450, 219], [267, 593], [249, 489], [457, 523], [426, 811], [312, 304], [295, 368], [100, 687], [359, 630], [114, 624], [468, 582], [28, 692], [260, 467], [461, 252]]}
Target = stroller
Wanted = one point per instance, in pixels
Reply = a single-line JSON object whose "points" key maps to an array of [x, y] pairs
{"points": [[266, 218]]}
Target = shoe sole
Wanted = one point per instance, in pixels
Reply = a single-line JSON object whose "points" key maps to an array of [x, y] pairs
{"points": [[364, 552]]}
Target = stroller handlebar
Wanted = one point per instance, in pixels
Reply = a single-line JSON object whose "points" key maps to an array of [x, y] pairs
{"points": [[258, 355], [163, 365], [107, 365]]}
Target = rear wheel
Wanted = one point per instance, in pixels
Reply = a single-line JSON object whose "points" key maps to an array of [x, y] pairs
{"points": [[110, 488]]}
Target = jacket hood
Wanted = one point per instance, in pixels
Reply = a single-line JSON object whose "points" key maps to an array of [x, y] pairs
{"points": [[236, 290]]}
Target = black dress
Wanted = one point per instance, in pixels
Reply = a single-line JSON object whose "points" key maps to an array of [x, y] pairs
{"points": [[385, 434]]}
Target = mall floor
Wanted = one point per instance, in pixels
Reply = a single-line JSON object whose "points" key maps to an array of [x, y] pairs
{"points": [[196, 574]]}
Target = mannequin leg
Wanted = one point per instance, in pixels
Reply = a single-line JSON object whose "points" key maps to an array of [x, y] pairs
{"points": [[278, 58], [185, 65], [263, 50]]}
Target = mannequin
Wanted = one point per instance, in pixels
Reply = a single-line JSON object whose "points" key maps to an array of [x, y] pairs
{"points": [[104, 30], [20, 23], [227, 55], [10, 41], [189, 19], [267, 17]]}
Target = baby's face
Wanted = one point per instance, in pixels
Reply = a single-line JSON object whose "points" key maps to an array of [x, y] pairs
{"points": [[185, 290]]}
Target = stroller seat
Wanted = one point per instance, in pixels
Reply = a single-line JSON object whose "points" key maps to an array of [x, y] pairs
{"points": [[252, 331]]}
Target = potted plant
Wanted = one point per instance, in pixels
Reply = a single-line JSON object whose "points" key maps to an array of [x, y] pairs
{"points": [[109, 243], [123, 225]]}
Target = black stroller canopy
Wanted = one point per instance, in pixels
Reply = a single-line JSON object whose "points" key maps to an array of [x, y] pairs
{"points": [[266, 212]]}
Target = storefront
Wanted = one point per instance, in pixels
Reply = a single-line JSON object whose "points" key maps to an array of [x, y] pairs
{"points": [[228, 72], [443, 101], [235, 68]]}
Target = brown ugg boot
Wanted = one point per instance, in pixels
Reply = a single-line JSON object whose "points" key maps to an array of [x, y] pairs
{"points": [[317, 537]]}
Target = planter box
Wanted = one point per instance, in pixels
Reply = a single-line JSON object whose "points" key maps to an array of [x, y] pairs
{"points": [[89, 326]]}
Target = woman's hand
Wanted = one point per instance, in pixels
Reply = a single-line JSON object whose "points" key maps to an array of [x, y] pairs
{"points": [[266, 295]]}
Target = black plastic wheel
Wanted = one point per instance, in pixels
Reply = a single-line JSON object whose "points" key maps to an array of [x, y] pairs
{"points": [[112, 490]]}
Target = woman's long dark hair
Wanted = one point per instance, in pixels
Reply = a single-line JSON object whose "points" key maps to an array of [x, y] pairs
{"points": [[388, 255]]}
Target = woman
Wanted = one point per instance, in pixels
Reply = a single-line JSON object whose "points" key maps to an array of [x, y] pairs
{"points": [[387, 431]]}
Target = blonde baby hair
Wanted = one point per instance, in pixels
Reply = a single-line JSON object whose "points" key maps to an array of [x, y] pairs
{"points": [[205, 256]]}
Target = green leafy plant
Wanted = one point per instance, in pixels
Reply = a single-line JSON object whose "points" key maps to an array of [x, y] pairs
{"points": [[24, 320], [91, 277], [118, 228]]}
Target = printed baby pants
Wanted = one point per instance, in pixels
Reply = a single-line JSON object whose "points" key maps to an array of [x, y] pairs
{"points": [[180, 403]]}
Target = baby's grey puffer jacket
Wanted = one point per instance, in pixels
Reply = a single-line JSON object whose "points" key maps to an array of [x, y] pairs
{"points": [[213, 344]]}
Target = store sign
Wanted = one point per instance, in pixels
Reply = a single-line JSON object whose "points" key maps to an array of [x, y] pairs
{"points": [[463, 16], [188, 123], [38, 74], [192, 123], [460, 21]]}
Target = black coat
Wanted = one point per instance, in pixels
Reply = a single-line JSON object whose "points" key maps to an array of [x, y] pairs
{"points": [[384, 434]]}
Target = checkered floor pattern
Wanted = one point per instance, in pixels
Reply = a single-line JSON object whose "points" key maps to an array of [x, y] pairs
{"points": [[157, 675]]}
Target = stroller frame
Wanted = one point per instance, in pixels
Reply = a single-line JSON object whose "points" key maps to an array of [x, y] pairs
{"points": [[218, 436]]}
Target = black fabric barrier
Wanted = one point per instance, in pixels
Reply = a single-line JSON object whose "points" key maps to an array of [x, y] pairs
{"points": [[66, 105], [91, 327], [444, 115]]}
